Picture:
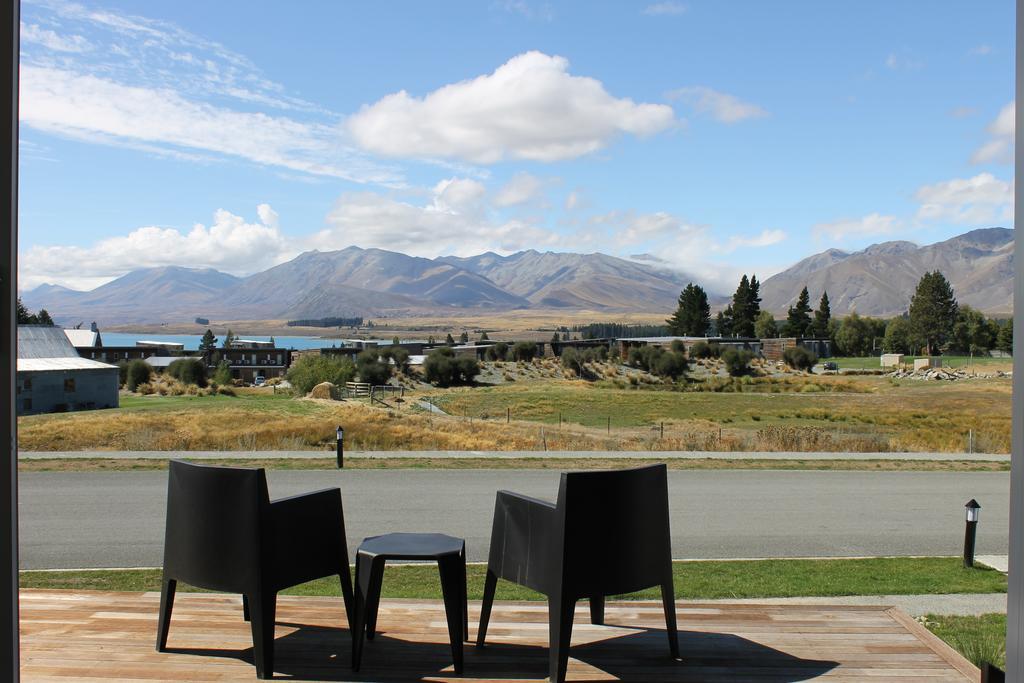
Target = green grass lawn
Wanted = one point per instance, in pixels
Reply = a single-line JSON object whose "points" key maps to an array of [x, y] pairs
{"points": [[693, 580], [259, 401], [873, 362], [979, 639]]}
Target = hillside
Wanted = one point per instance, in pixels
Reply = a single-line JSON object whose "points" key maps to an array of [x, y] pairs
{"points": [[880, 279]]}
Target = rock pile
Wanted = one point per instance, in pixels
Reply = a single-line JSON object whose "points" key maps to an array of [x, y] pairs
{"points": [[945, 374]]}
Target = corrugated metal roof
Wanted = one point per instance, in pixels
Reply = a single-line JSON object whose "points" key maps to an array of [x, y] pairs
{"points": [[51, 364], [44, 341], [161, 361], [82, 337]]}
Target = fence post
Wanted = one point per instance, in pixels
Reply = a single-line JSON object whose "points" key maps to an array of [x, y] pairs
{"points": [[609, 424], [508, 415], [662, 430]]}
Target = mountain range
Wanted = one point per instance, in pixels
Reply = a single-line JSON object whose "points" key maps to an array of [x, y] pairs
{"points": [[879, 280], [369, 283], [876, 281]]}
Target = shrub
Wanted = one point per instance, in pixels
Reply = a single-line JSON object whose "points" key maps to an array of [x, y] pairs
{"points": [[137, 372], [371, 369], [800, 358], [678, 346], [122, 371], [311, 370], [572, 360], [672, 365], [398, 356], [702, 349], [444, 369], [188, 371], [222, 375], [737, 361], [524, 351], [498, 351]]}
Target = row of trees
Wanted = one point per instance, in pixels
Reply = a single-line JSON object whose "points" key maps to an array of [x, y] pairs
{"points": [[933, 323], [26, 317]]}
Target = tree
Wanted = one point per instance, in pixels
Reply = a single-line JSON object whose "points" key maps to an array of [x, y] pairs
{"points": [[737, 361], [693, 315], [228, 338], [371, 369], [272, 341], [765, 327], [822, 317], [723, 323], [43, 318], [25, 317], [222, 375], [396, 355], [800, 358], [746, 306], [898, 336], [443, 368], [497, 351], [484, 337], [138, 372], [464, 338], [1004, 340], [933, 312], [188, 371], [312, 369], [798, 318], [449, 340], [971, 332], [208, 342], [855, 336], [525, 351], [555, 338]]}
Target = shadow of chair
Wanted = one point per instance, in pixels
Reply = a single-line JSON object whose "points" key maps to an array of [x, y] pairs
{"points": [[630, 657], [607, 534], [224, 534]]}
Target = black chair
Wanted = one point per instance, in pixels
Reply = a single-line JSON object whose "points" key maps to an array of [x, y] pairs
{"points": [[224, 534], [608, 534]]}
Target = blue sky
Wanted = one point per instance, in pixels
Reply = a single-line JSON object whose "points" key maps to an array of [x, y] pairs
{"points": [[715, 138]]}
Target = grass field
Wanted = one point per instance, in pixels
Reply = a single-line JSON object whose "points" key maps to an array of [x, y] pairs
{"points": [[981, 364], [792, 413], [693, 580]]}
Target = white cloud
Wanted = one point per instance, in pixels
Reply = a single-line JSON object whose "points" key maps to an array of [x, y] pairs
{"points": [[903, 61], [33, 33], [459, 195], [529, 108], [574, 200], [980, 50], [462, 228], [229, 244], [523, 188], [95, 109], [999, 148], [979, 200], [543, 12], [719, 105], [765, 238], [665, 8], [868, 226]]}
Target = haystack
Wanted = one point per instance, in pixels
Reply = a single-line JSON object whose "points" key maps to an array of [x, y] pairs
{"points": [[325, 390]]}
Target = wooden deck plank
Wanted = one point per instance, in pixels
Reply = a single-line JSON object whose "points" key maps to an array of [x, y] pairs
{"points": [[107, 636]]}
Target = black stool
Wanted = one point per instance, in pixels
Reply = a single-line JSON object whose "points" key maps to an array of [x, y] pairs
{"points": [[450, 555]]}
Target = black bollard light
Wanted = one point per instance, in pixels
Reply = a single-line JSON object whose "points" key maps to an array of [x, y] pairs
{"points": [[973, 512], [341, 446]]}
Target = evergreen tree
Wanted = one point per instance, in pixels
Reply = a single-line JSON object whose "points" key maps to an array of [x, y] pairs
{"points": [[449, 340], [971, 332], [43, 318], [484, 337], [24, 317], [464, 338], [208, 342], [693, 316], [765, 327], [754, 298], [228, 338], [1004, 340], [272, 342], [933, 312], [798, 318], [822, 316], [742, 322], [555, 338], [723, 323]]}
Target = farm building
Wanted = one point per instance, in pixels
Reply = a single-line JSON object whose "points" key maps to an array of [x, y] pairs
{"points": [[53, 377], [80, 338], [748, 343]]}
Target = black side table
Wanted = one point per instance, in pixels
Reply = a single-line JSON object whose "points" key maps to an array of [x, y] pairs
{"points": [[449, 553]]}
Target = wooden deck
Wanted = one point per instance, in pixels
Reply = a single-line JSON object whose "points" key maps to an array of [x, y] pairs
{"points": [[94, 636]]}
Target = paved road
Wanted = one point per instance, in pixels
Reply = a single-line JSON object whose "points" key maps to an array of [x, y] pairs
{"points": [[693, 455], [115, 519]]}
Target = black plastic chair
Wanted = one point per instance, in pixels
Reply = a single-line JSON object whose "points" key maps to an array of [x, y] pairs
{"points": [[224, 534], [608, 534]]}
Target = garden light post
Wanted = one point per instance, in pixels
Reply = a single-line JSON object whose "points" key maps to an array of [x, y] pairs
{"points": [[973, 512], [341, 446]]}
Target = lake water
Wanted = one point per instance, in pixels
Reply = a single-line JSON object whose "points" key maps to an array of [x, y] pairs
{"points": [[191, 341]]}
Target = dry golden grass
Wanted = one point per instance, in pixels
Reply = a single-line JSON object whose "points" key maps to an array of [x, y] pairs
{"points": [[540, 462]]}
